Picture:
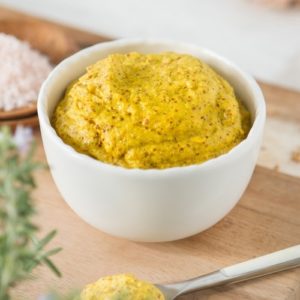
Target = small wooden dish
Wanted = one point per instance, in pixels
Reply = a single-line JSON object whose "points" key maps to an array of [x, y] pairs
{"points": [[31, 121], [47, 39], [21, 112]]}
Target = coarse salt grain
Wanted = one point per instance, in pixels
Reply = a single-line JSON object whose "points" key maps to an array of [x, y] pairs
{"points": [[22, 72]]}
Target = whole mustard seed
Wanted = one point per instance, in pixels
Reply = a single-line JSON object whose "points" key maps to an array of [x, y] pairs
{"points": [[151, 111]]}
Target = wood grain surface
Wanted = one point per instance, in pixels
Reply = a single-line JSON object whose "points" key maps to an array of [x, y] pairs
{"points": [[265, 220], [82, 38], [281, 102]]}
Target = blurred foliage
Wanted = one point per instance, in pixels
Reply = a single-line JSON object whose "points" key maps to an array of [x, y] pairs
{"points": [[20, 249]]}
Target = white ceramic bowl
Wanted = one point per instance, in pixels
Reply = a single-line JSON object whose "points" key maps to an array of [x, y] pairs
{"points": [[150, 205]]}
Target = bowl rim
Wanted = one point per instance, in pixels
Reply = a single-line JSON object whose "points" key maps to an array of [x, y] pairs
{"points": [[238, 150]]}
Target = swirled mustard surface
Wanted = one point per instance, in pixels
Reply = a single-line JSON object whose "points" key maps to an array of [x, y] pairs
{"points": [[151, 111]]}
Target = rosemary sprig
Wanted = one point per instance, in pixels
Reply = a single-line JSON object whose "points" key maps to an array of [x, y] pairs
{"points": [[20, 250]]}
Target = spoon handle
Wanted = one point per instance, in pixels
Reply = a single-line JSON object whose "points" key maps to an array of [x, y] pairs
{"points": [[263, 265], [257, 267]]}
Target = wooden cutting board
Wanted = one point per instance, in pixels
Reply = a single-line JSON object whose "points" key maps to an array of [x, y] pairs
{"points": [[266, 219]]}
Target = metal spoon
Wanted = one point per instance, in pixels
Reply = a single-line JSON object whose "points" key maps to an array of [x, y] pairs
{"points": [[257, 267]]}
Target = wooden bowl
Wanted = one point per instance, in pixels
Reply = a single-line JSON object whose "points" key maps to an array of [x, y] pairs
{"points": [[47, 39], [31, 121], [24, 111]]}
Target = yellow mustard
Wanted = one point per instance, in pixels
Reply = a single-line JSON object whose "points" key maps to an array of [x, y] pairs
{"points": [[151, 111], [121, 287]]}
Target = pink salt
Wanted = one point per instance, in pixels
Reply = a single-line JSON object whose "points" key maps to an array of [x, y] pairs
{"points": [[22, 72]]}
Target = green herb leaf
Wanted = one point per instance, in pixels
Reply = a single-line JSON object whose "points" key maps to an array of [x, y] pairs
{"points": [[51, 266], [20, 249]]}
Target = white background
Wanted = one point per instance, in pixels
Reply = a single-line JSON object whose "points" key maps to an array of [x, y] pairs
{"points": [[264, 41]]}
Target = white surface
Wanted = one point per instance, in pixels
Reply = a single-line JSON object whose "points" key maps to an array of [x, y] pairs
{"points": [[135, 204], [262, 40]]}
